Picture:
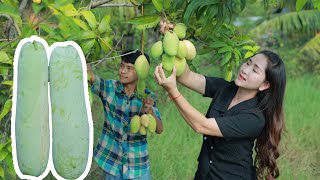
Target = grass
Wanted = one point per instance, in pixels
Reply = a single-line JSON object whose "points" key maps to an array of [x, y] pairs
{"points": [[300, 146]]}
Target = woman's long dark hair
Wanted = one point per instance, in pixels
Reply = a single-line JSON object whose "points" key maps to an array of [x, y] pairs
{"points": [[271, 104]]}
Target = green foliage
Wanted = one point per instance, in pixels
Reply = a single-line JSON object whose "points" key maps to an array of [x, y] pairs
{"points": [[54, 21], [11, 10], [308, 59], [6, 162], [6, 108], [147, 21], [316, 4], [300, 4], [208, 22], [291, 24]]}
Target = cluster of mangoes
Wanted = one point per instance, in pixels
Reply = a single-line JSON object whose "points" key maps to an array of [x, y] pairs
{"points": [[143, 123], [174, 50]]}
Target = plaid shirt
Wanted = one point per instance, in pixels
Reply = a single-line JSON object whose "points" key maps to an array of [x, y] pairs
{"points": [[118, 147]]}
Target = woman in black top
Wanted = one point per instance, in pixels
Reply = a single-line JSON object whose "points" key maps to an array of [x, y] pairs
{"points": [[242, 111]]}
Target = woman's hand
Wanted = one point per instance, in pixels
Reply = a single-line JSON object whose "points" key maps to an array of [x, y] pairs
{"points": [[170, 83]]}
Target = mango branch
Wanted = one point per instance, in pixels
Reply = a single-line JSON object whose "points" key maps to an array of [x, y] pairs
{"points": [[35, 25], [106, 57], [95, 4], [11, 21], [113, 57], [142, 34], [8, 43], [116, 5]]}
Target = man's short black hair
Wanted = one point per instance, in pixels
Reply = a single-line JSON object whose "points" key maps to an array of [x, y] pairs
{"points": [[131, 58]]}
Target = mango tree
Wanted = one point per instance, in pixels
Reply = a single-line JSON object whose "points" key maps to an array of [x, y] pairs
{"points": [[207, 22]]}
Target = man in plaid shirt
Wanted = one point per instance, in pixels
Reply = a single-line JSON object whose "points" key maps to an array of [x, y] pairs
{"points": [[120, 153]]}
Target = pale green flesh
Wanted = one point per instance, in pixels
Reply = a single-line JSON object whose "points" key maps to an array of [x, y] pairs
{"points": [[32, 110], [70, 126]]}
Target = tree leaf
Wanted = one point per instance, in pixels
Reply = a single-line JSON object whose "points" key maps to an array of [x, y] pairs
{"points": [[248, 54], [178, 4], [217, 44], [10, 165], [13, 12], [4, 145], [226, 58], [11, 3], [249, 41], [106, 43], [292, 23], [193, 6], [203, 51], [238, 52], [225, 49], [143, 20], [242, 4], [61, 3], [300, 4], [4, 71], [166, 4], [81, 24], [8, 82], [158, 5], [69, 10], [237, 58], [90, 18], [6, 108], [9, 148], [37, 7], [316, 4], [4, 58], [216, 57], [97, 48], [87, 45], [247, 48], [147, 21], [3, 155], [104, 24], [1, 172], [87, 35], [255, 48]]}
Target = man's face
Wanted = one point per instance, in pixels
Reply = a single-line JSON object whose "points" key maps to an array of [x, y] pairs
{"points": [[127, 73]]}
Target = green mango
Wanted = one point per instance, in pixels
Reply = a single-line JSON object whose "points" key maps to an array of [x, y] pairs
{"points": [[167, 62], [152, 124], [141, 86], [180, 29], [135, 124], [156, 50], [191, 50], [143, 130], [180, 65], [182, 50], [170, 43], [145, 120], [142, 67]]}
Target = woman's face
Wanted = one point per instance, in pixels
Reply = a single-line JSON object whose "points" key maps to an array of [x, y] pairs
{"points": [[252, 74]]}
